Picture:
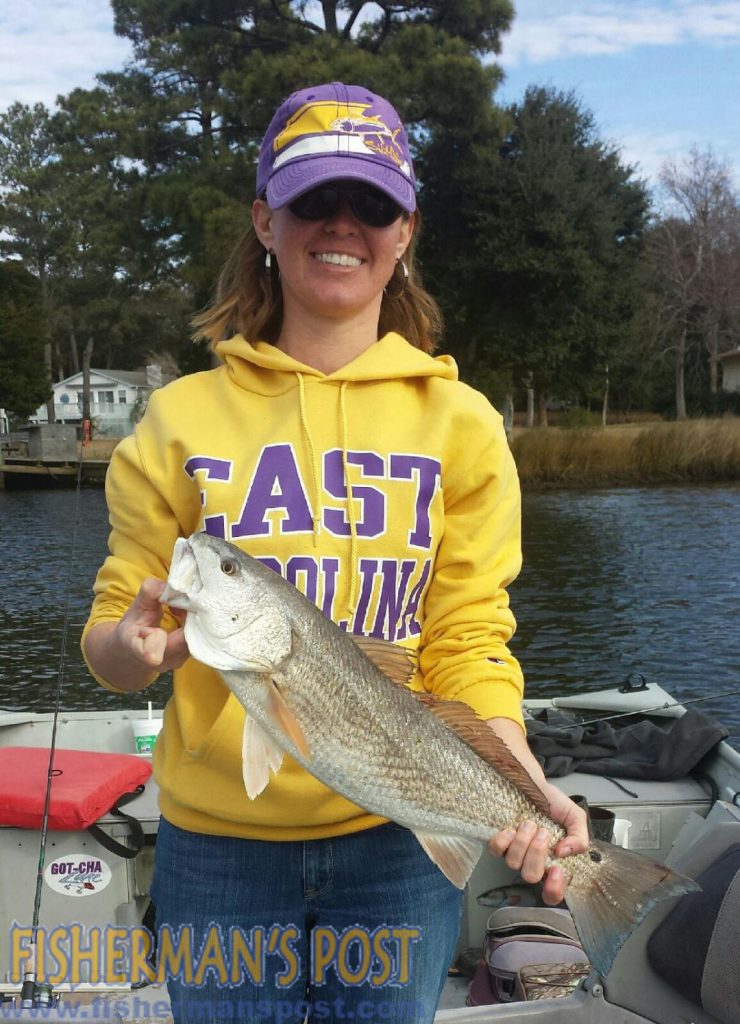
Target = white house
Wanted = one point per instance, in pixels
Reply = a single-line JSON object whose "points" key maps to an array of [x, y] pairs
{"points": [[117, 398], [730, 370]]}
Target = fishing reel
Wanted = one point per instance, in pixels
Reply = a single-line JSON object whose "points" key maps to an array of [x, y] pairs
{"points": [[34, 995]]}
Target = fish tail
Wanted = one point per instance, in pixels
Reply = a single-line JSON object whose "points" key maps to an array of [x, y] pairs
{"points": [[617, 898]]}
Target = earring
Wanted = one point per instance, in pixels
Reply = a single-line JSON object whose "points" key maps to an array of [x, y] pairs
{"points": [[268, 259]]}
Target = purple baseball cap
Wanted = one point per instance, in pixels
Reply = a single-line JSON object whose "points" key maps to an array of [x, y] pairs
{"points": [[335, 131]]}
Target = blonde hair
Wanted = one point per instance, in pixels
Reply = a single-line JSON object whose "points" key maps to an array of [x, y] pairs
{"points": [[249, 300]]}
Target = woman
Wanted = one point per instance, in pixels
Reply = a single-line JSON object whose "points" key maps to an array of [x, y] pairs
{"points": [[331, 445]]}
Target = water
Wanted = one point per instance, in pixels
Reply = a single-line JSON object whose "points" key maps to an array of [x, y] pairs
{"points": [[39, 573], [615, 581], [639, 580]]}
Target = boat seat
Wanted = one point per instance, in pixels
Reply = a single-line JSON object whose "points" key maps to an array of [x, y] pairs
{"points": [[676, 933]]}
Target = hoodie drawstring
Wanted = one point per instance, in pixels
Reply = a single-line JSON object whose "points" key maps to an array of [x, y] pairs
{"points": [[353, 554], [316, 476], [316, 503]]}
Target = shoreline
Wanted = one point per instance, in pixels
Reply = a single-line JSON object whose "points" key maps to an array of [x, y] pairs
{"points": [[635, 455], [699, 451]]}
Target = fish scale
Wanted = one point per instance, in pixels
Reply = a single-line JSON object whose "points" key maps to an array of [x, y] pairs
{"points": [[310, 691], [465, 800]]}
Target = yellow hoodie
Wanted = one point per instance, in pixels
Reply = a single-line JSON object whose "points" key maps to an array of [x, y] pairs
{"points": [[385, 491]]}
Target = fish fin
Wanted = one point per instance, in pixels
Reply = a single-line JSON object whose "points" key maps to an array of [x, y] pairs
{"points": [[455, 856], [617, 897], [260, 756], [398, 663], [284, 719], [481, 738]]}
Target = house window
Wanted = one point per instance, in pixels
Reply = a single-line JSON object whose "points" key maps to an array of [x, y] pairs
{"points": [[121, 397], [64, 397], [105, 397]]}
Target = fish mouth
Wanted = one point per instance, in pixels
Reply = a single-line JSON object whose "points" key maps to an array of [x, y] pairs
{"points": [[183, 579]]}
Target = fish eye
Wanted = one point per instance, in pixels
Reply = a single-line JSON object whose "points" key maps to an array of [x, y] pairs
{"points": [[228, 568]]}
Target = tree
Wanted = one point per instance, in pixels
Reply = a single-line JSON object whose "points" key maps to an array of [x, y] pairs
{"points": [[119, 295], [151, 173], [24, 384], [32, 219], [557, 245], [77, 218], [695, 253], [210, 76]]}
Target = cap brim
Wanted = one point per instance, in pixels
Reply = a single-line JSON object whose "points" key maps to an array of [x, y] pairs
{"points": [[293, 179]]}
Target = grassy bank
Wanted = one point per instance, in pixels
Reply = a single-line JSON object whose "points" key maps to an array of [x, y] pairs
{"points": [[693, 450], [629, 454]]}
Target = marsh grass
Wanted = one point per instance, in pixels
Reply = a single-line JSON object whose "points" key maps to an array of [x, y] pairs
{"points": [[693, 450]]}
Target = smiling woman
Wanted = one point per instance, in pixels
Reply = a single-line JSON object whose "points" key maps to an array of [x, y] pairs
{"points": [[347, 206], [337, 222], [331, 446], [334, 268]]}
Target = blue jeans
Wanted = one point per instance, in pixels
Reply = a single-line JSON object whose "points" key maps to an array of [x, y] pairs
{"points": [[360, 927]]}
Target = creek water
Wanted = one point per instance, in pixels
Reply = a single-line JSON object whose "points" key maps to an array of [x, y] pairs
{"points": [[614, 582]]}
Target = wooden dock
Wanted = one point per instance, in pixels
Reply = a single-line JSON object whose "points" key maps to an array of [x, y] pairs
{"points": [[16, 473], [23, 465]]}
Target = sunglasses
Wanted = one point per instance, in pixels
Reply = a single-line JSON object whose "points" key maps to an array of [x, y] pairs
{"points": [[369, 205]]}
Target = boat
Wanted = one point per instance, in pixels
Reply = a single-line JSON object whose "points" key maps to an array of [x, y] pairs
{"points": [[690, 823]]}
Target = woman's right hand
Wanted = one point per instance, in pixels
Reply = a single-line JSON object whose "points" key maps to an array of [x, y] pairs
{"points": [[130, 653], [140, 632]]}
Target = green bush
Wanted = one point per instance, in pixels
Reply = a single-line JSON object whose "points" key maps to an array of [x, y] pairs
{"points": [[576, 418]]}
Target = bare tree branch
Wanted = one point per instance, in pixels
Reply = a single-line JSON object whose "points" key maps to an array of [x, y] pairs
{"points": [[357, 8]]}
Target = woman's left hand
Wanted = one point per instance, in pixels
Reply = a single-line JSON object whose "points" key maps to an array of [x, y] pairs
{"points": [[527, 848]]}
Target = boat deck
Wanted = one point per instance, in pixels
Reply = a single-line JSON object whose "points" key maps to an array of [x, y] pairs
{"points": [[662, 815]]}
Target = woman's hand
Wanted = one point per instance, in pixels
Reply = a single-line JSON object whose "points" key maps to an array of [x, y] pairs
{"points": [[130, 653], [140, 632], [527, 848]]}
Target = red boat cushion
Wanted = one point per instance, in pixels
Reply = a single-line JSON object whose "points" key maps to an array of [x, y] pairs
{"points": [[84, 787]]}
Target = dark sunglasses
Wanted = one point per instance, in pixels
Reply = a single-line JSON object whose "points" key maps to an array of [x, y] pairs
{"points": [[369, 205]]}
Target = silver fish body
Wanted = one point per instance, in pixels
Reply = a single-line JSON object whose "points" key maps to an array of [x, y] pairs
{"points": [[371, 740], [311, 691]]}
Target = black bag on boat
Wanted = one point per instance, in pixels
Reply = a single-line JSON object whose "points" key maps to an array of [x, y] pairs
{"points": [[648, 749]]}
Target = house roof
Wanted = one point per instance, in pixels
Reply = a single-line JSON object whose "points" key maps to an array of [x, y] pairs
{"points": [[732, 352], [135, 378]]}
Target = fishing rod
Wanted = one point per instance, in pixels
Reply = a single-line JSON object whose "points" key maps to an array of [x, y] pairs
{"points": [[658, 707], [35, 994]]}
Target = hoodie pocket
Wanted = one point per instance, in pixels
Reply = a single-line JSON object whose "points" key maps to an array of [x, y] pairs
{"points": [[225, 734]]}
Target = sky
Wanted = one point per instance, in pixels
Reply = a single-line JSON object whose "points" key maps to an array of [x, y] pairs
{"points": [[658, 75]]}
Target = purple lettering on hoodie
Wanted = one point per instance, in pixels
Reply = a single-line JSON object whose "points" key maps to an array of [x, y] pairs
{"points": [[276, 484], [329, 570], [392, 596], [213, 469], [371, 522], [426, 471], [306, 566], [368, 567], [410, 625], [215, 525]]}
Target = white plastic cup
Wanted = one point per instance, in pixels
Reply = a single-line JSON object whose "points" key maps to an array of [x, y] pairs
{"points": [[622, 828], [145, 732]]}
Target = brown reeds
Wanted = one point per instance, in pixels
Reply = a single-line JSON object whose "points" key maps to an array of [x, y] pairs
{"points": [[692, 450]]}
